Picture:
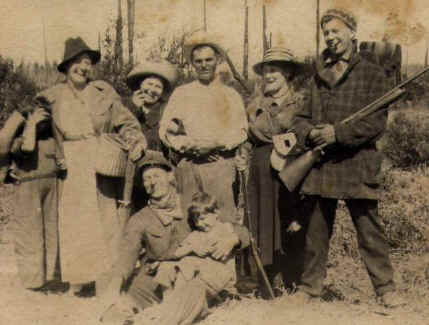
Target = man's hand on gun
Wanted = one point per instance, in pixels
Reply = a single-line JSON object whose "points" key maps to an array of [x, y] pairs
{"points": [[322, 134]]}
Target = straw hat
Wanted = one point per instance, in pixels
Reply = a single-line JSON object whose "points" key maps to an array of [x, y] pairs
{"points": [[163, 69], [278, 55], [75, 47], [203, 38]]}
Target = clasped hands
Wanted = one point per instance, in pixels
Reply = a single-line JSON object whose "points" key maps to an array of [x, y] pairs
{"points": [[322, 134]]}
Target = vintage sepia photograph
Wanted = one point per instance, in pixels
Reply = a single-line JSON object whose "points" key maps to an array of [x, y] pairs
{"points": [[243, 162]]}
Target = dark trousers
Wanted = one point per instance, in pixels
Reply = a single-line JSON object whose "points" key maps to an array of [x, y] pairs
{"points": [[35, 229], [372, 242]]}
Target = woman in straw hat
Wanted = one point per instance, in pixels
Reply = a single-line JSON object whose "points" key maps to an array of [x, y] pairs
{"points": [[151, 84], [83, 112], [270, 118]]}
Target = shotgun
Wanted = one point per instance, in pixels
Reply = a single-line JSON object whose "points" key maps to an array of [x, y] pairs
{"points": [[125, 204], [295, 172], [253, 246]]}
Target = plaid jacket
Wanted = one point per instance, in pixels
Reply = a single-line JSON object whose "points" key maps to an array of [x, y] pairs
{"points": [[351, 167]]}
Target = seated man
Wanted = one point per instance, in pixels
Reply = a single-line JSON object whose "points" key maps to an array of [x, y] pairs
{"points": [[159, 229]]}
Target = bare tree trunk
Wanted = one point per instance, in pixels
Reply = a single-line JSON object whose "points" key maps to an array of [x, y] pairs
{"points": [[318, 29], [246, 42], [131, 6], [118, 42], [264, 30]]}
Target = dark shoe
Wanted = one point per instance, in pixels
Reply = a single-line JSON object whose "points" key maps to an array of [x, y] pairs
{"points": [[391, 299], [87, 291]]}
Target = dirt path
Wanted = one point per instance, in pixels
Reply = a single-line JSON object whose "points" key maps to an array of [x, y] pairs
{"points": [[18, 306]]}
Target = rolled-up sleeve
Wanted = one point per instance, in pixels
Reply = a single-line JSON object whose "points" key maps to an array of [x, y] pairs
{"points": [[130, 248], [126, 124]]}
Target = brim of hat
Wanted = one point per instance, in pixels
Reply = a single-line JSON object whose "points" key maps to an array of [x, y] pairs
{"points": [[189, 48], [141, 168], [94, 55], [258, 66], [134, 81]]}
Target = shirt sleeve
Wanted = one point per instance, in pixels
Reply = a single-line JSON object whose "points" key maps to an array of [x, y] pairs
{"points": [[302, 123], [126, 124], [371, 127], [173, 111], [130, 247], [236, 134]]}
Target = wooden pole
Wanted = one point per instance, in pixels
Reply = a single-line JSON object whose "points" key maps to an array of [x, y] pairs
{"points": [[205, 15], [45, 49], [264, 30], [246, 42], [317, 29], [131, 6]]}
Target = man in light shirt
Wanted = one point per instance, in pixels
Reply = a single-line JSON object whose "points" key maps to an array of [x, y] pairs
{"points": [[205, 122]]}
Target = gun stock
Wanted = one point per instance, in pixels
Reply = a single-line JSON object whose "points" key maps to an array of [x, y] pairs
{"points": [[293, 173]]}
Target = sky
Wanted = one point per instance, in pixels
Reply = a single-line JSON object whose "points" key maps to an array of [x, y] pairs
{"points": [[291, 22]]}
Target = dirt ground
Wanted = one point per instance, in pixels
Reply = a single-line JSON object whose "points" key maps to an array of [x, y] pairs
{"points": [[353, 301]]}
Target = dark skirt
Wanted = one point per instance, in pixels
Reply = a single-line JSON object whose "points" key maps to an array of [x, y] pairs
{"points": [[271, 205]]}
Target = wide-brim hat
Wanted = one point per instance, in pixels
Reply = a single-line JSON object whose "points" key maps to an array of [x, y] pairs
{"points": [[163, 69], [200, 39], [279, 56], [75, 47]]}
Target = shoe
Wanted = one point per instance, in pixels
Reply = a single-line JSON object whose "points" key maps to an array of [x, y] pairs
{"points": [[391, 299]]}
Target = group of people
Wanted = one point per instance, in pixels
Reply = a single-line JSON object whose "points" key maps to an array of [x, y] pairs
{"points": [[178, 248]]}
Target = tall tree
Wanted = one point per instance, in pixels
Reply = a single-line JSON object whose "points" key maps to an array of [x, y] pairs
{"points": [[118, 42], [131, 6], [265, 45], [317, 29], [246, 42]]}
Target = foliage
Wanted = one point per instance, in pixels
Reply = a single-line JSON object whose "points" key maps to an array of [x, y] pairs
{"points": [[406, 142], [16, 88]]}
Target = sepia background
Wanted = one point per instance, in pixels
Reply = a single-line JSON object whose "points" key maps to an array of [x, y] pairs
{"points": [[32, 43]]}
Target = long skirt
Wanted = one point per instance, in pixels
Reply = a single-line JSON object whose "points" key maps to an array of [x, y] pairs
{"points": [[83, 246], [271, 205]]}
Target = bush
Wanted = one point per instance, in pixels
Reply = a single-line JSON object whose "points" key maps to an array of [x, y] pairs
{"points": [[16, 89], [406, 142]]}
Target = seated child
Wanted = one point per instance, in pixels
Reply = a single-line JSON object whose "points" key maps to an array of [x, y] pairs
{"points": [[195, 252]]}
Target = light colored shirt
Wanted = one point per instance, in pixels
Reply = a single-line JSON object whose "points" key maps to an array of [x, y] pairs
{"points": [[213, 116]]}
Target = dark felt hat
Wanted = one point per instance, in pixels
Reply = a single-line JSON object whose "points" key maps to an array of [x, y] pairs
{"points": [[75, 47], [151, 158]]}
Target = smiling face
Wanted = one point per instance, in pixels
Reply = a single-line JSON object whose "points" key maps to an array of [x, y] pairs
{"points": [[275, 78], [150, 91], [205, 61], [338, 36], [79, 70], [206, 221], [156, 182]]}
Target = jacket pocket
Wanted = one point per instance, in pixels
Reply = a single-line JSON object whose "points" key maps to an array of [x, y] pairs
{"points": [[372, 173]]}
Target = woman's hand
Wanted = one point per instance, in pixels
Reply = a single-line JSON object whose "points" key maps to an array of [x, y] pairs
{"points": [[137, 151], [39, 115]]}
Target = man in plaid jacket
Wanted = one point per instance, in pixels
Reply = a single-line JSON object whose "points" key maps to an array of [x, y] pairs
{"points": [[350, 168]]}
